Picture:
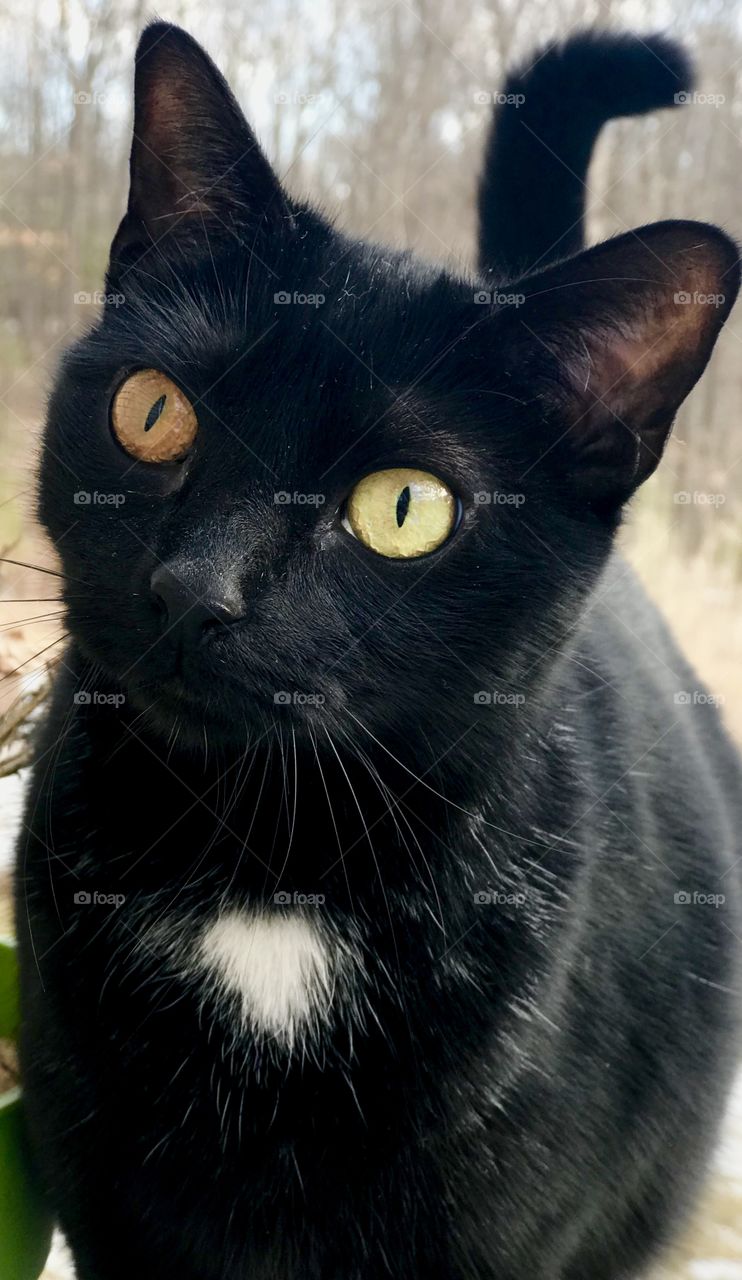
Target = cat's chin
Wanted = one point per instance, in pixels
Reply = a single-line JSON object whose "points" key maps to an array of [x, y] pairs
{"points": [[233, 716]]}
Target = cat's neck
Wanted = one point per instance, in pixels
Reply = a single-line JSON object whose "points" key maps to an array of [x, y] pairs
{"points": [[319, 811]]}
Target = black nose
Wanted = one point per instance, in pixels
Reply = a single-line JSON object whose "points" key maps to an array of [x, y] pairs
{"points": [[193, 603]]}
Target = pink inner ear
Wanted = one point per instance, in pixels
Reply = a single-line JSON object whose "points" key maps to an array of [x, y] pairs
{"points": [[167, 145], [162, 114], [639, 337], [194, 158], [663, 354]]}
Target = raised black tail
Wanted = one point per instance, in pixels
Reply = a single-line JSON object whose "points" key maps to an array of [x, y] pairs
{"points": [[532, 191]]}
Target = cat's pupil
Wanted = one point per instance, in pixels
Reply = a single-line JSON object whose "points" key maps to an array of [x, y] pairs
{"points": [[155, 413], [403, 506]]}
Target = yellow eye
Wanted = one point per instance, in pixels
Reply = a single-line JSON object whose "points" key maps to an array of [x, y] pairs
{"points": [[152, 418], [402, 512]]}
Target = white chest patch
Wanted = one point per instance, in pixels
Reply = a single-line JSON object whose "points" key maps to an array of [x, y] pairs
{"points": [[278, 968]]}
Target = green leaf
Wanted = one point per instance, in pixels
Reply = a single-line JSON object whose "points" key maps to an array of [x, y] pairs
{"points": [[25, 1222], [9, 1012]]}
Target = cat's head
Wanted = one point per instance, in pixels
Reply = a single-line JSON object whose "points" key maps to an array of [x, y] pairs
{"points": [[293, 476]]}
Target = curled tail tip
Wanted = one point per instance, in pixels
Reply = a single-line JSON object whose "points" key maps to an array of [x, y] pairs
{"points": [[614, 73], [532, 189], [631, 73]]}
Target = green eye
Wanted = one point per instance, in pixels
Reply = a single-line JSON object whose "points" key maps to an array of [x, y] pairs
{"points": [[401, 513]]}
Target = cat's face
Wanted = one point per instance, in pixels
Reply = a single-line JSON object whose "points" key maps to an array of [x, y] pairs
{"points": [[290, 476], [293, 404]]}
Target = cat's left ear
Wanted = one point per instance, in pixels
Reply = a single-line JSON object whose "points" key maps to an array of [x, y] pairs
{"points": [[196, 167], [608, 344]]}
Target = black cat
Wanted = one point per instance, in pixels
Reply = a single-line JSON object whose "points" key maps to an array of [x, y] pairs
{"points": [[377, 891]]}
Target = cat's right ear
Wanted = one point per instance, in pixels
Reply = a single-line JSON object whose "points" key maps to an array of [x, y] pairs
{"points": [[197, 171], [608, 344]]}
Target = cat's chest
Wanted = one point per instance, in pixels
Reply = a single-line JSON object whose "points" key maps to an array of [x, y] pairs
{"points": [[271, 975], [276, 982]]}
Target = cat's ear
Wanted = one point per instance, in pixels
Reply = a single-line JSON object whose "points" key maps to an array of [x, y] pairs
{"points": [[196, 167], [611, 342]]}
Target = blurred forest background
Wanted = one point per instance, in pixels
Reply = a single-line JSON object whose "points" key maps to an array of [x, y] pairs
{"points": [[376, 109]]}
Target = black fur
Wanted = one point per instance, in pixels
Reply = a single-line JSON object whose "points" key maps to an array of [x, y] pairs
{"points": [[520, 1089], [532, 192]]}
